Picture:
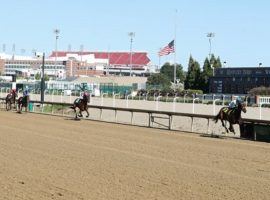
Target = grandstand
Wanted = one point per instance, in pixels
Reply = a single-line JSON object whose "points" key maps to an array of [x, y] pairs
{"points": [[113, 62]]}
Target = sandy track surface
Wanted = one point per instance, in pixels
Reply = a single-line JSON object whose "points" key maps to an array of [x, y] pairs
{"points": [[45, 157]]}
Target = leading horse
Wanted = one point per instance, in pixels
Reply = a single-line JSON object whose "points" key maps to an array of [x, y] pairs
{"points": [[82, 104], [11, 99], [233, 116]]}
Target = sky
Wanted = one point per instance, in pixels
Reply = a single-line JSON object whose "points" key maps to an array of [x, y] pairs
{"points": [[241, 27]]}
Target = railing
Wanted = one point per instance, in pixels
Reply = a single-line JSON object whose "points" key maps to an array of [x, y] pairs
{"points": [[53, 106], [263, 101], [57, 108]]}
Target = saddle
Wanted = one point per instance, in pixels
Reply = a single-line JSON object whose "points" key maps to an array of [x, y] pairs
{"points": [[77, 101], [228, 111], [25, 99]]}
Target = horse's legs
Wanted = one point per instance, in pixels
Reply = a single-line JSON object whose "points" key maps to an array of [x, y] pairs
{"points": [[76, 116], [8, 105], [19, 108], [224, 125], [87, 113], [80, 113], [231, 128]]}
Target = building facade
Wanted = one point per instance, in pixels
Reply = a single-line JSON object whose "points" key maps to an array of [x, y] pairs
{"points": [[239, 80], [64, 64], [117, 63]]}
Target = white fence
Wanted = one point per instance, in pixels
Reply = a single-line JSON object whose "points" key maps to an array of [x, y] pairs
{"points": [[263, 101]]}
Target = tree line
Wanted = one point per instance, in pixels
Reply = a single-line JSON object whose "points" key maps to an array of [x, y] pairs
{"points": [[195, 78]]}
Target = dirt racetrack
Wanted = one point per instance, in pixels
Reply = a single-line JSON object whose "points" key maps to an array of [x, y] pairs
{"points": [[45, 157]]}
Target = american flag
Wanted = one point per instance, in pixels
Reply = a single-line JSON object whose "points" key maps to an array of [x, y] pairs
{"points": [[167, 50]]}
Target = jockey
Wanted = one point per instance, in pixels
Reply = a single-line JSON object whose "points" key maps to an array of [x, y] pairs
{"points": [[13, 91], [83, 94], [26, 92], [234, 103]]}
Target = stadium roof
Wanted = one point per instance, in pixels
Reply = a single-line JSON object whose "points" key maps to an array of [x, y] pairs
{"points": [[116, 58]]}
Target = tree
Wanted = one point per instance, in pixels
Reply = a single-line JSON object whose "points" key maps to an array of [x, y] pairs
{"points": [[37, 76], [168, 70], [46, 77], [160, 80], [215, 62], [206, 73], [193, 77]]}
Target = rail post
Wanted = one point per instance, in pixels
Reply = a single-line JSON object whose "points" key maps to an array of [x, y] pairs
{"points": [[131, 117], [192, 124], [61, 96], [157, 102], [208, 126], [114, 95], [193, 107], [170, 122], [203, 98], [174, 100], [214, 106], [52, 94], [149, 119], [102, 97], [115, 115], [127, 100]]}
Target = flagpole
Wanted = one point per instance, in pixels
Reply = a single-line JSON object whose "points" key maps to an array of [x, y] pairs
{"points": [[159, 59], [158, 62], [175, 28]]}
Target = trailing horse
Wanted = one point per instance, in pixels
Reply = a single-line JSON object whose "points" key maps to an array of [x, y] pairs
{"points": [[23, 102], [82, 104], [11, 99], [233, 116]]}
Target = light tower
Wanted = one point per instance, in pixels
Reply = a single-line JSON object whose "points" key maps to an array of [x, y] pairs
{"points": [[56, 32], [210, 36], [131, 35]]}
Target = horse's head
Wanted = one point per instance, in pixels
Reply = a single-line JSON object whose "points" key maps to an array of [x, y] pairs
{"points": [[242, 106], [14, 93]]}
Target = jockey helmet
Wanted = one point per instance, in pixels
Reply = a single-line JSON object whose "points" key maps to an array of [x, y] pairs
{"points": [[238, 100]]}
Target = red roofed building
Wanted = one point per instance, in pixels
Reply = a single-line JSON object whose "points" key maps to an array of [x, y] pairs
{"points": [[112, 62]]}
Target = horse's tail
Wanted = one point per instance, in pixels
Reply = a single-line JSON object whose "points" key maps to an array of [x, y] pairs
{"points": [[72, 107]]}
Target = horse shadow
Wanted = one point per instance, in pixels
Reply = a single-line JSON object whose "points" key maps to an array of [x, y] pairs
{"points": [[214, 136]]}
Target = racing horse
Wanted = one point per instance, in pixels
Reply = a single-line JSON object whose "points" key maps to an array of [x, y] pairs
{"points": [[233, 116], [23, 102], [82, 104], [11, 99]]}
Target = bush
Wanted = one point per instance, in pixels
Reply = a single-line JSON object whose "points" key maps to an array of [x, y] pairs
{"points": [[190, 92], [260, 91]]}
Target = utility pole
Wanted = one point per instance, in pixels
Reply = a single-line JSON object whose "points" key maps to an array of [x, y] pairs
{"points": [[42, 86]]}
